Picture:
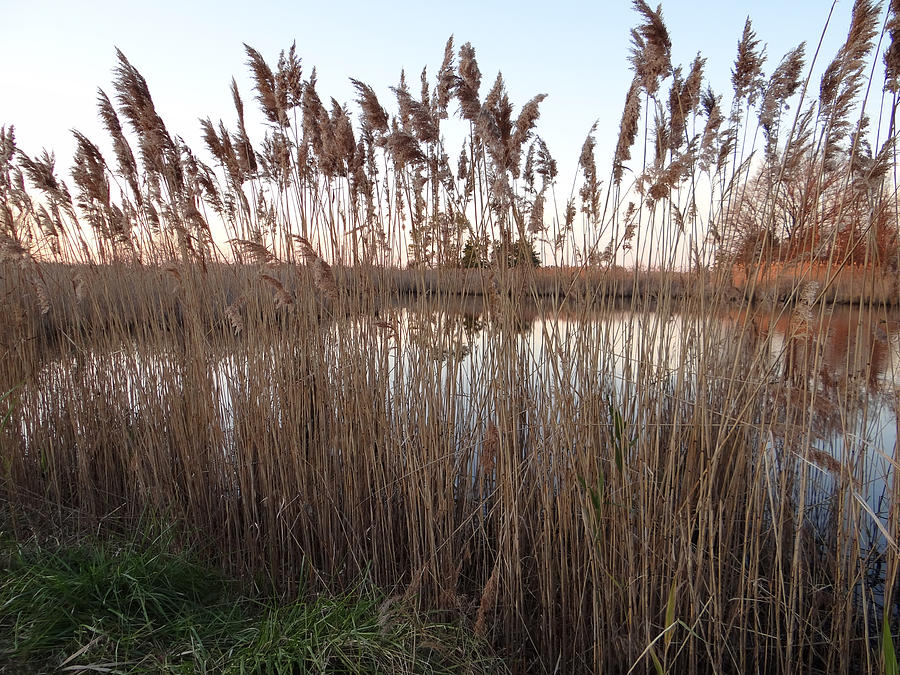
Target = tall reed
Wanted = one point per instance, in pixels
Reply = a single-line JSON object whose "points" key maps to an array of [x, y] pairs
{"points": [[600, 468]]}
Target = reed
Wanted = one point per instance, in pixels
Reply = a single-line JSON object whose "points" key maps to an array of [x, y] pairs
{"points": [[326, 356]]}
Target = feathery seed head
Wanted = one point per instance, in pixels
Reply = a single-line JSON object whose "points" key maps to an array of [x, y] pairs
{"points": [[746, 77], [651, 52]]}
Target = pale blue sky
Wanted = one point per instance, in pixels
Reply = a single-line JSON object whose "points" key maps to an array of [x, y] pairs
{"points": [[55, 53]]}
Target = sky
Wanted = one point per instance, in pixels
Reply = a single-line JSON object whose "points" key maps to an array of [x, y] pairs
{"points": [[56, 53]]}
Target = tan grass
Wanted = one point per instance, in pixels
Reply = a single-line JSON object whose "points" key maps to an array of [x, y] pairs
{"points": [[591, 465]]}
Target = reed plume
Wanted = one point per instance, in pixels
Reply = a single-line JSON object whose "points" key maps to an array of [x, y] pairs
{"points": [[316, 122], [536, 219], [277, 159], [684, 101], [651, 51], [233, 315], [41, 171], [628, 129], [468, 83], [590, 189], [710, 139], [273, 108], [322, 273], [41, 292], [156, 146], [89, 174], [844, 79], [289, 77], [415, 116], [254, 249], [81, 285], [524, 129], [121, 148], [891, 56], [245, 153], [544, 164], [276, 92], [403, 147], [11, 249], [374, 116], [782, 85], [485, 604], [7, 153], [282, 297], [341, 146], [446, 81], [747, 75]]}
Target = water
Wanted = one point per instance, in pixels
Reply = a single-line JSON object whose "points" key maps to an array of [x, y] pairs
{"points": [[826, 382], [822, 384]]}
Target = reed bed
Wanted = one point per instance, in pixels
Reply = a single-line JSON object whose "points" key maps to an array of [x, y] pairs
{"points": [[597, 469], [573, 493]]}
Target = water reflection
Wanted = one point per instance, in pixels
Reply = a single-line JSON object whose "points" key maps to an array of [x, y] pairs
{"points": [[822, 381], [825, 380], [831, 374]]}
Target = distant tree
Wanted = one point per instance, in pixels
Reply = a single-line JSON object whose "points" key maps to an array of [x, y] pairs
{"points": [[449, 231], [474, 254], [814, 213], [513, 254]]}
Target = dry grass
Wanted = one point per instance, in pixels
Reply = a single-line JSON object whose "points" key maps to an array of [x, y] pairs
{"points": [[834, 284], [552, 495], [601, 469]]}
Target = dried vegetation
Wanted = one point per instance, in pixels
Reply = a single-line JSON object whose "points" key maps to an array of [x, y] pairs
{"points": [[587, 499]]}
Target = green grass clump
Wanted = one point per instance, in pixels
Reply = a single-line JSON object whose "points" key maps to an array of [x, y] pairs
{"points": [[123, 602], [134, 608]]}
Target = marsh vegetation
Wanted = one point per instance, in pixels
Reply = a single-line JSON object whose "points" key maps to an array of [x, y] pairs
{"points": [[332, 353]]}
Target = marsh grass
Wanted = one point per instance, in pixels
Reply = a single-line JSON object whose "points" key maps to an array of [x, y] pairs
{"points": [[550, 498], [137, 606], [595, 468]]}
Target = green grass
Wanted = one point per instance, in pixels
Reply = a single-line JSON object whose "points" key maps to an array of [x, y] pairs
{"points": [[127, 608]]}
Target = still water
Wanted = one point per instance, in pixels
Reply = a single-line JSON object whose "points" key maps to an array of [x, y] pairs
{"points": [[820, 384], [824, 381]]}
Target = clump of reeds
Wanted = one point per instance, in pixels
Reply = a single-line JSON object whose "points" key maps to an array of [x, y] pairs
{"points": [[599, 468]]}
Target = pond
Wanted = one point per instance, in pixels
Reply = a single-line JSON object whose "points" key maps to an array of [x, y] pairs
{"points": [[813, 389]]}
